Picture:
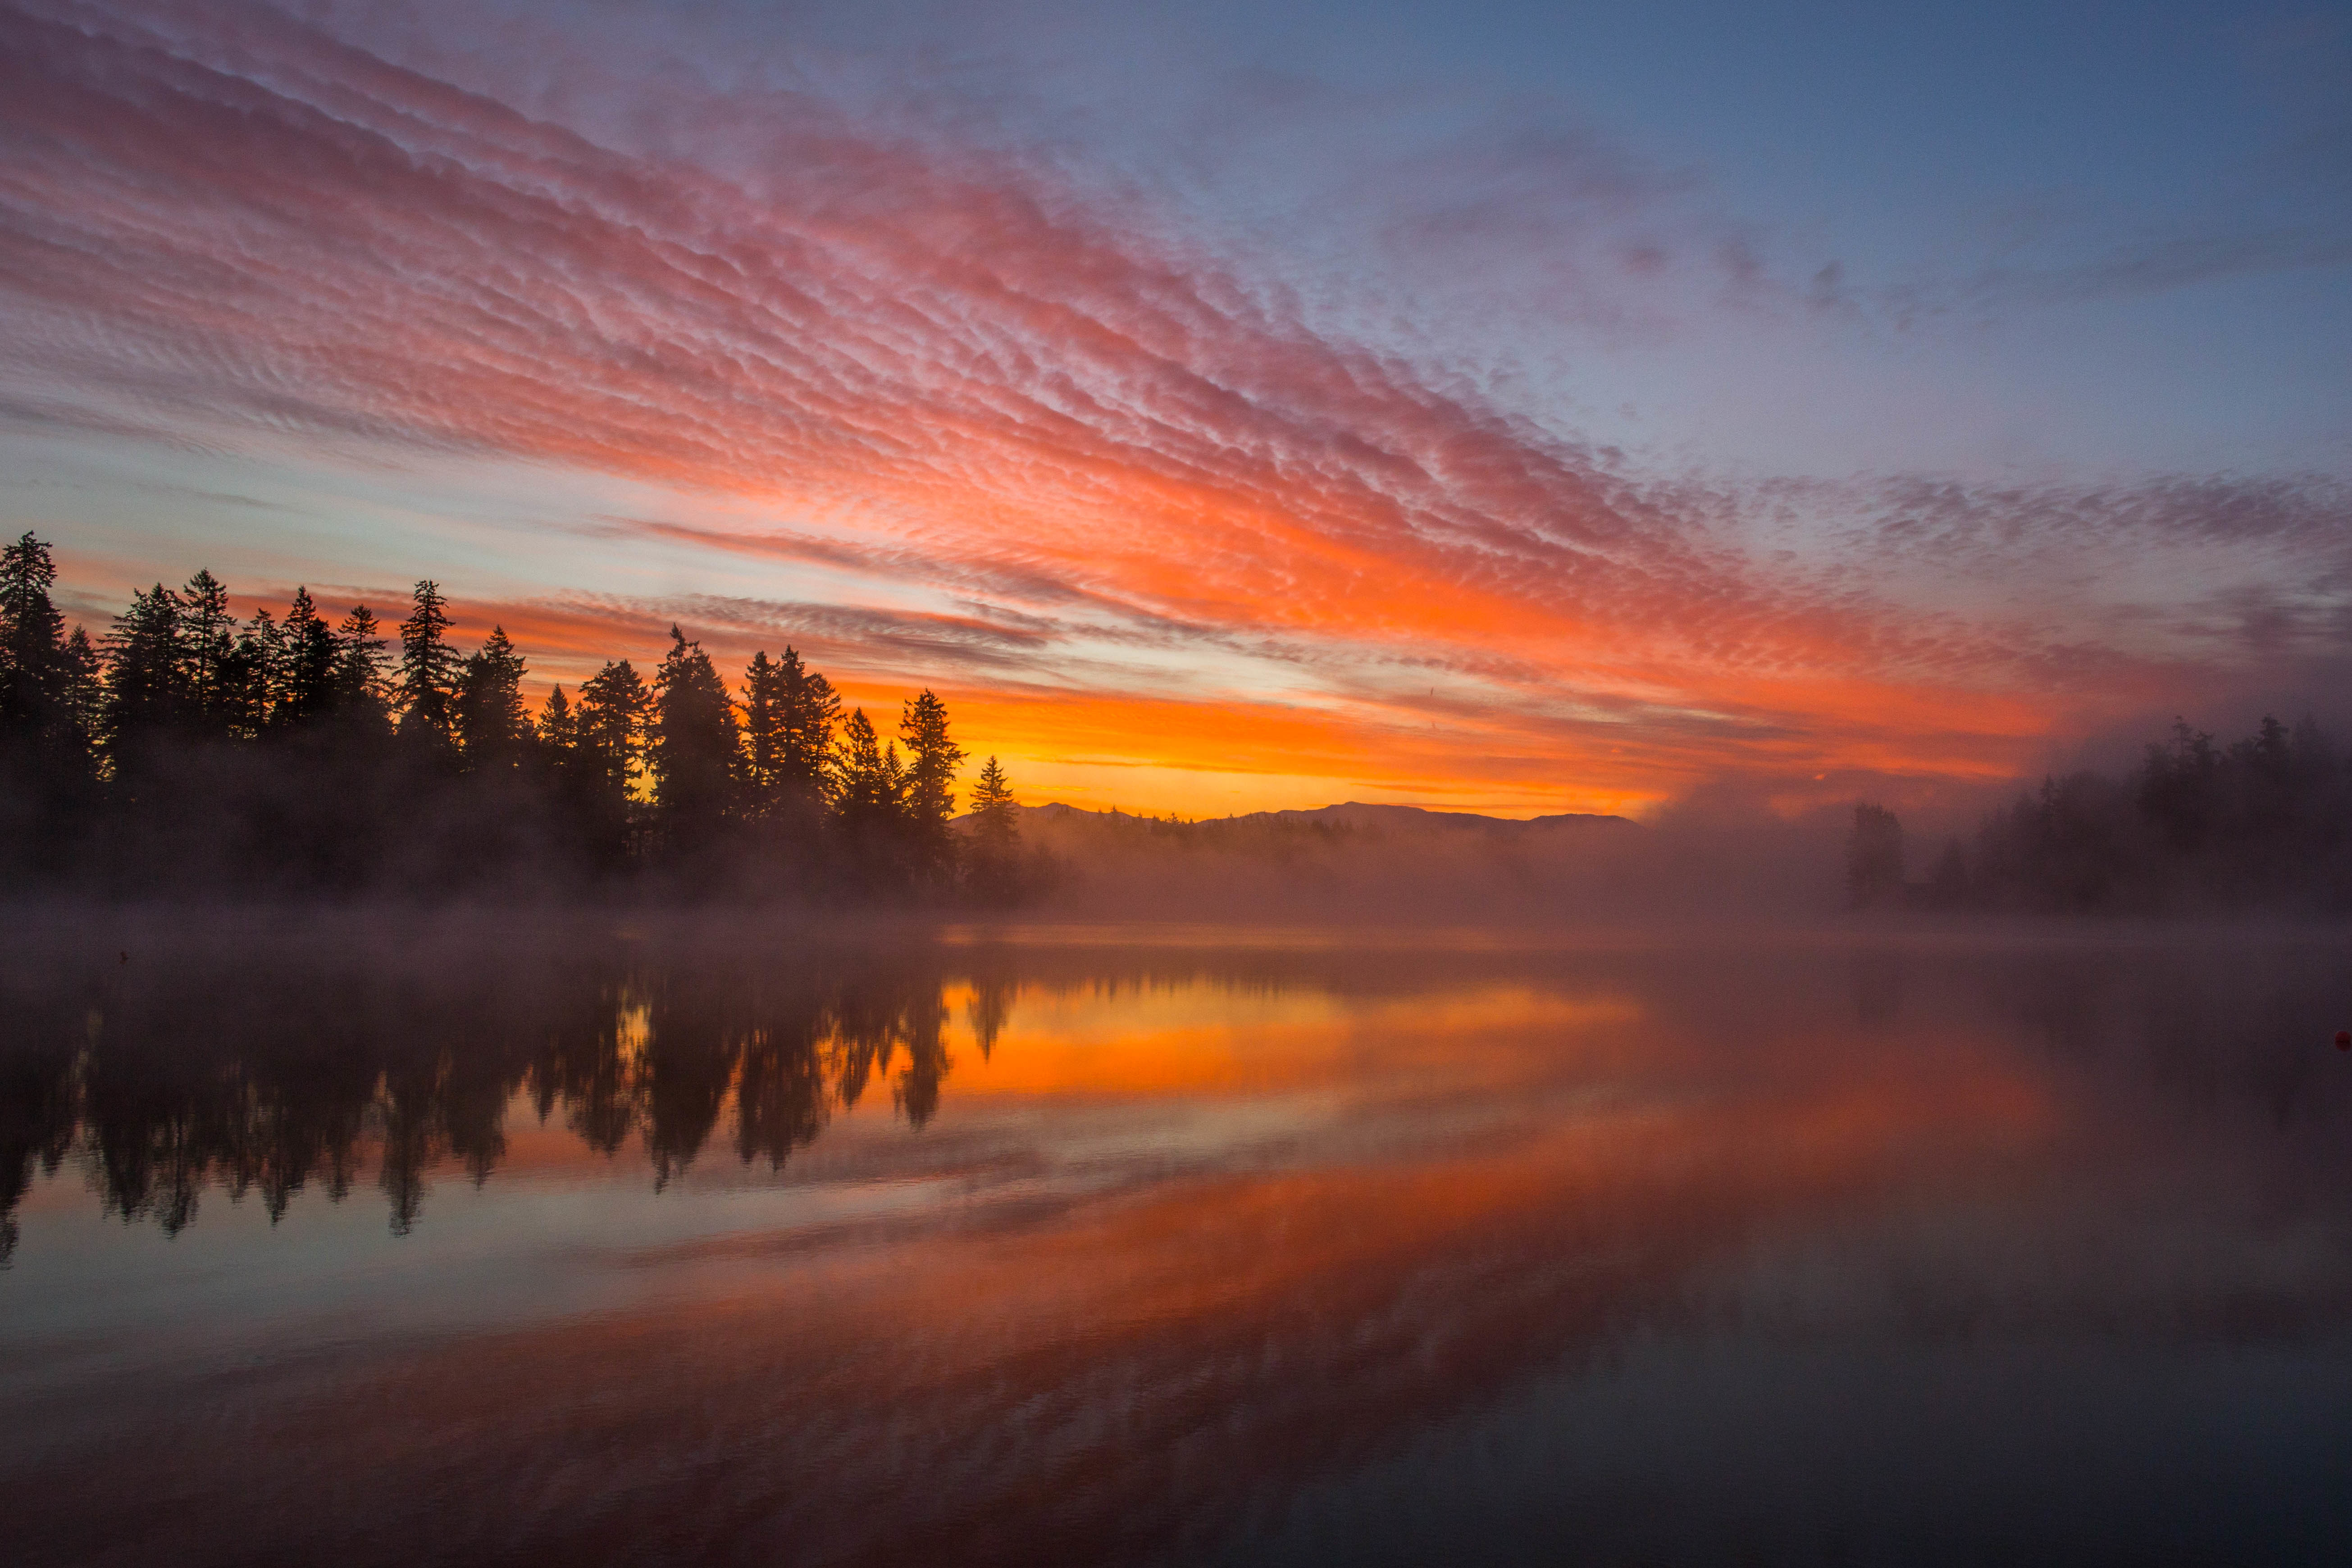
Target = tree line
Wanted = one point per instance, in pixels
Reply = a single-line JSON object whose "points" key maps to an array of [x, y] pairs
{"points": [[2262, 823], [186, 749]]}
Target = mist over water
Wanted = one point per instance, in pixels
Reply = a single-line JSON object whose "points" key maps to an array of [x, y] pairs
{"points": [[483, 1238]]}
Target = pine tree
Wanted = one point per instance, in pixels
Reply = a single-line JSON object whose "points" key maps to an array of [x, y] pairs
{"points": [[609, 730], [85, 695], [492, 727], [789, 716], [208, 637], [361, 688], [872, 783], [995, 835], [261, 675], [146, 693], [811, 711], [427, 690], [602, 767], [693, 750], [763, 738], [559, 731], [932, 758], [307, 687], [40, 734]]}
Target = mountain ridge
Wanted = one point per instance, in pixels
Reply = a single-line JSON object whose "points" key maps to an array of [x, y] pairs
{"points": [[1350, 813]]}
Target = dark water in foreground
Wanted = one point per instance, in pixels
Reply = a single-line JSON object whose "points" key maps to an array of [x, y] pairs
{"points": [[585, 1246]]}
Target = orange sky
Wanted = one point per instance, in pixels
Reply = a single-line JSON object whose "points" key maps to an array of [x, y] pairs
{"points": [[1165, 536]]}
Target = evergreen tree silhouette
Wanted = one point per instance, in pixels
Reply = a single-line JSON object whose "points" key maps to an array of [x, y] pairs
{"points": [[789, 716], [932, 758], [208, 637], [871, 801], [312, 662], [693, 745], [558, 732], [46, 722], [261, 674], [995, 835], [610, 727], [493, 728], [763, 736], [146, 687], [427, 680], [362, 688], [810, 711]]}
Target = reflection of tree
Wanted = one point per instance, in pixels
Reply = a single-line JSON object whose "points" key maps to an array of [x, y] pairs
{"points": [[270, 1073], [689, 1063], [918, 1089], [991, 1007], [780, 1094], [37, 1125]]}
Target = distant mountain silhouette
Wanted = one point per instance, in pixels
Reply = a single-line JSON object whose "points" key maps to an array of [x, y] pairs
{"points": [[1402, 819]]}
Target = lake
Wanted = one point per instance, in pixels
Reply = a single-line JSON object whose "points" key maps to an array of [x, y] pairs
{"points": [[652, 1238]]}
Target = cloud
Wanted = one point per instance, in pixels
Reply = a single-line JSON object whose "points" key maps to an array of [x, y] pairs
{"points": [[944, 371]]}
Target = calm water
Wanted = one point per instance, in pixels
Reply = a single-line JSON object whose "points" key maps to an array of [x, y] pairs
{"points": [[335, 1245]]}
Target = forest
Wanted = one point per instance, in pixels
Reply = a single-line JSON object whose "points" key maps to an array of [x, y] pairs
{"points": [[187, 753], [2264, 822]]}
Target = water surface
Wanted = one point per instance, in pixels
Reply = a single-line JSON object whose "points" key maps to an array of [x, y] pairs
{"points": [[469, 1241]]}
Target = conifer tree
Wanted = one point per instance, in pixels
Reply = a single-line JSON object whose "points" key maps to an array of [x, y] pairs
{"points": [[762, 735], [811, 711], [85, 696], [41, 735], [995, 835], [558, 732], [307, 688], [492, 727], [361, 685], [261, 674], [208, 637], [932, 758], [692, 749], [428, 671], [146, 696], [609, 728], [872, 783], [789, 716]]}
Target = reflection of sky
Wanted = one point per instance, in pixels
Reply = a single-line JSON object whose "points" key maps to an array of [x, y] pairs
{"points": [[1296, 1249], [1518, 406]]}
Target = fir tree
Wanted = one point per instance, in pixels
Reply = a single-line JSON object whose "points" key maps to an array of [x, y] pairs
{"points": [[872, 795], [558, 732], [307, 687], [932, 758], [41, 734], [995, 835], [261, 675], [492, 727], [810, 710], [208, 640], [362, 688], [764, 739], [146, 695], [609, 728], [427, 691], [789, 716], [693, 743]]}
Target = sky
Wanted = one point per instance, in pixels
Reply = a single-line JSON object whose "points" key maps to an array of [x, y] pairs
{"points": [[1509, 407]]}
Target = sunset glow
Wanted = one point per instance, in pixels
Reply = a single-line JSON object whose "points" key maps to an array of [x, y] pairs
{"points": [[778, 336]]}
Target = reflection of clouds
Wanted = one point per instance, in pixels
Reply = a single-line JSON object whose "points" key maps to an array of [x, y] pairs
{"points": [[1087, 1307]]}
